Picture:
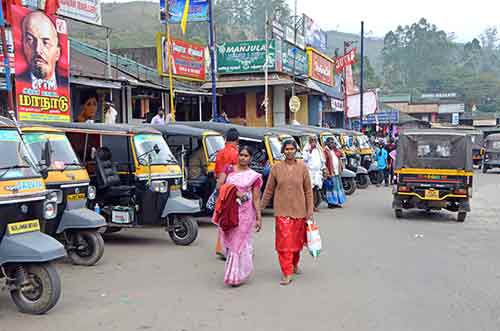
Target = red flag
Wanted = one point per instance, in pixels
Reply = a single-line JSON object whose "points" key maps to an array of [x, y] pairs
{"points": [[51, 7], [6, 8]]}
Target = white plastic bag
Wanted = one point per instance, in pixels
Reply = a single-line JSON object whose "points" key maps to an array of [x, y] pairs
{"points": [[313, 238]]}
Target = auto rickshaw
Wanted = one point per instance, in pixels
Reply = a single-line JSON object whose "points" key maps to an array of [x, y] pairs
{"points": [[25, 204], [302, 134], [137, 178], [195, 149], [434, 171], [491, 158], [477, 148], [75, 226]]}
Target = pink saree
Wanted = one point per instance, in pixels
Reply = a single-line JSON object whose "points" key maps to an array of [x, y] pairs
{"points": [[238, 241]]}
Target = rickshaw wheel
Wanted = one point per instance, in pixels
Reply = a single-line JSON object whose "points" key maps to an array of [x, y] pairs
{"points": [[183, 230], [44, 292], [92, 250], [398, 213], [485, 169], [362, 181], [349, 186], [461, 216]]}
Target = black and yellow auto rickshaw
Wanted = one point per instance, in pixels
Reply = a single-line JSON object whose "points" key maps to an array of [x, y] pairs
{"points": [[434, 171], [26, 254], [302, 135], [75, 226], [195, 149], [491, 157], [137, 178]]}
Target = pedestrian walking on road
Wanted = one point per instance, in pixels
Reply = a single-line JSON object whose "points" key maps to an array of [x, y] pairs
{"points": [[290, 184], [383, 170], [226, 156], [315, 161], [238, 240], [335, 195]]}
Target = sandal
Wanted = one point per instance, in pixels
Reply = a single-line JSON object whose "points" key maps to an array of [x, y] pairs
{"points": [[286, 280], [297, 271]]}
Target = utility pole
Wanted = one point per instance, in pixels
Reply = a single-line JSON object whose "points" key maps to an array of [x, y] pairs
{"points": [[346, 44], [294, 53], [361, 87], [211, 35], [266, 71]]}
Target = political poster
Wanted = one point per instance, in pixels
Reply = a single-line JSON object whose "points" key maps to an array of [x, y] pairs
{"points": [[198, 11], [188, 59], [314, 36], [41, 65]]}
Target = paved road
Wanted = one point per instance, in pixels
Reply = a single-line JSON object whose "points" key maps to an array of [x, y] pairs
{"points": [[376, 273]]}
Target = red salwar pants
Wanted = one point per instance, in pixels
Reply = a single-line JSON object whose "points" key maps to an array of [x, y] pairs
{"points": [[290, 239]]}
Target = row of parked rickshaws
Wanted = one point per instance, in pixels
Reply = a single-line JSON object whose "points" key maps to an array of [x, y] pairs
{"points": [[65, 185]]}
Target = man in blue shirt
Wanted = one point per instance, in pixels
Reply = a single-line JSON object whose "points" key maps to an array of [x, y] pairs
{"points": [[381, 156]]}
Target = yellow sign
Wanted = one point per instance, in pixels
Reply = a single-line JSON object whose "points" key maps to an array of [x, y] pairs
{"points": [[23, 227], [76, 197], [432, 194]]}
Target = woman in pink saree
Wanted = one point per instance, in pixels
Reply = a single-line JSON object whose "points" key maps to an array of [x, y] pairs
{"points": [[239, 240]]}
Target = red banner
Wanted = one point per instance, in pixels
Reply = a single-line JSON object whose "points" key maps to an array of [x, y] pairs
{"points": [[188, 60], [321, 68], [345, 61], [42, 65]]}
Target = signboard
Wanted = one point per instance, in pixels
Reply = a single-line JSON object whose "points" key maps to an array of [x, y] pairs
{"points": [[247, 56], [354, 104], [198, 11], [188, 59], [320, 67], [346, 60], [42, 66], [288, 53], [455, 118], [438, 95], [290, 37], [337, 105], [10, 50], [88, 11], [314, 36], [294, 104], [386, 117], [451, 108]]}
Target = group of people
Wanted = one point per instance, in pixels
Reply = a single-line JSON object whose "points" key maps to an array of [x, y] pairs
{"points": [[288, 184], [385, 155], [290, 187]]}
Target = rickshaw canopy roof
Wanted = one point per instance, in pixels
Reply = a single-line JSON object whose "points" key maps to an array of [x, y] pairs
{"points": [[246, 133], [172, 129], [6, 123], [493, 137], [434, 149], [105, 129]]}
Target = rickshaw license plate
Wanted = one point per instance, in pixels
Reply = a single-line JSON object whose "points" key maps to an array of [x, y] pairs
{"points": [[23, 227], [175, 188], [76, 197], [432, 194]]}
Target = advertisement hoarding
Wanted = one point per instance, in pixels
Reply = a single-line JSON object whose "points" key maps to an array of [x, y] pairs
{"points": [[248, 57], [321, 67], [88, 11], [41, 65], [198, 11], [314, 36], [188, 59]]}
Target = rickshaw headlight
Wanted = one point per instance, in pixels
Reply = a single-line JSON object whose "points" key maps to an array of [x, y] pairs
{"points": [[91, 194], [50, 210], [159, 186], [55, 196]]}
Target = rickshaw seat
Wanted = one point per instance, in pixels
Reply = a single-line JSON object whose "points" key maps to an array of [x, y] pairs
{"points": [[108, 179]]}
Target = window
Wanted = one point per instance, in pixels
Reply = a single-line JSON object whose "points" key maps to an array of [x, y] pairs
{"points": [[434, 150], [145, 145]]}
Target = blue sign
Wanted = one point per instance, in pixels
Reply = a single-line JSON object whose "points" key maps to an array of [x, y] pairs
{"points": [[198, 11], [387, 117]]}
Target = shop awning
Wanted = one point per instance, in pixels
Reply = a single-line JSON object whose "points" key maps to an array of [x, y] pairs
{"points": [[248, 83], [333, 92], [201, 93], [101, 83]]}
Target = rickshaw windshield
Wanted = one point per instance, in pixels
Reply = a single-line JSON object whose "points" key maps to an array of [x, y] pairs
{"points": [[275, 145], [145, 148], [335, 140], [15, 161], [493, 144], [214, 144], [363, 142], [63, 156]]}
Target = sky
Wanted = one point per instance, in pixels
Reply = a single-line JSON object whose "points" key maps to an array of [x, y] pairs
{"points": [[467, 19]]}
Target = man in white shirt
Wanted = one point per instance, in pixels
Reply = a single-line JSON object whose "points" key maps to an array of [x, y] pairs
{"points": [[315, 162], [159, 118]]}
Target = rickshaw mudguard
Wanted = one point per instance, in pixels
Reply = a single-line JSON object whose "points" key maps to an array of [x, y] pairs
{"points": [[30, 247], [361, 171], [81, 218], [177, 204], [346, 173]]}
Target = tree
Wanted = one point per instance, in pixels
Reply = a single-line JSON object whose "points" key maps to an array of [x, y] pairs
{"points": [[371, 80]]}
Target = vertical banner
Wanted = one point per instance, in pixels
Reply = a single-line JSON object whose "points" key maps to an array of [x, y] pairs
{"points": [[42, 66]]}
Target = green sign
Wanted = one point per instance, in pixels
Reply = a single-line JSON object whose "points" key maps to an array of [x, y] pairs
{"points": [[288, 58], [246, 57]]}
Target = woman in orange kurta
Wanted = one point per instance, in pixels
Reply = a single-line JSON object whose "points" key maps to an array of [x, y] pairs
{"points": [[290, 184]]}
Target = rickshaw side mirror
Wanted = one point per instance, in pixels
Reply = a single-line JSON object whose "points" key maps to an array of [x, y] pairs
{"points": [[156, 148], [47, 159]]}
